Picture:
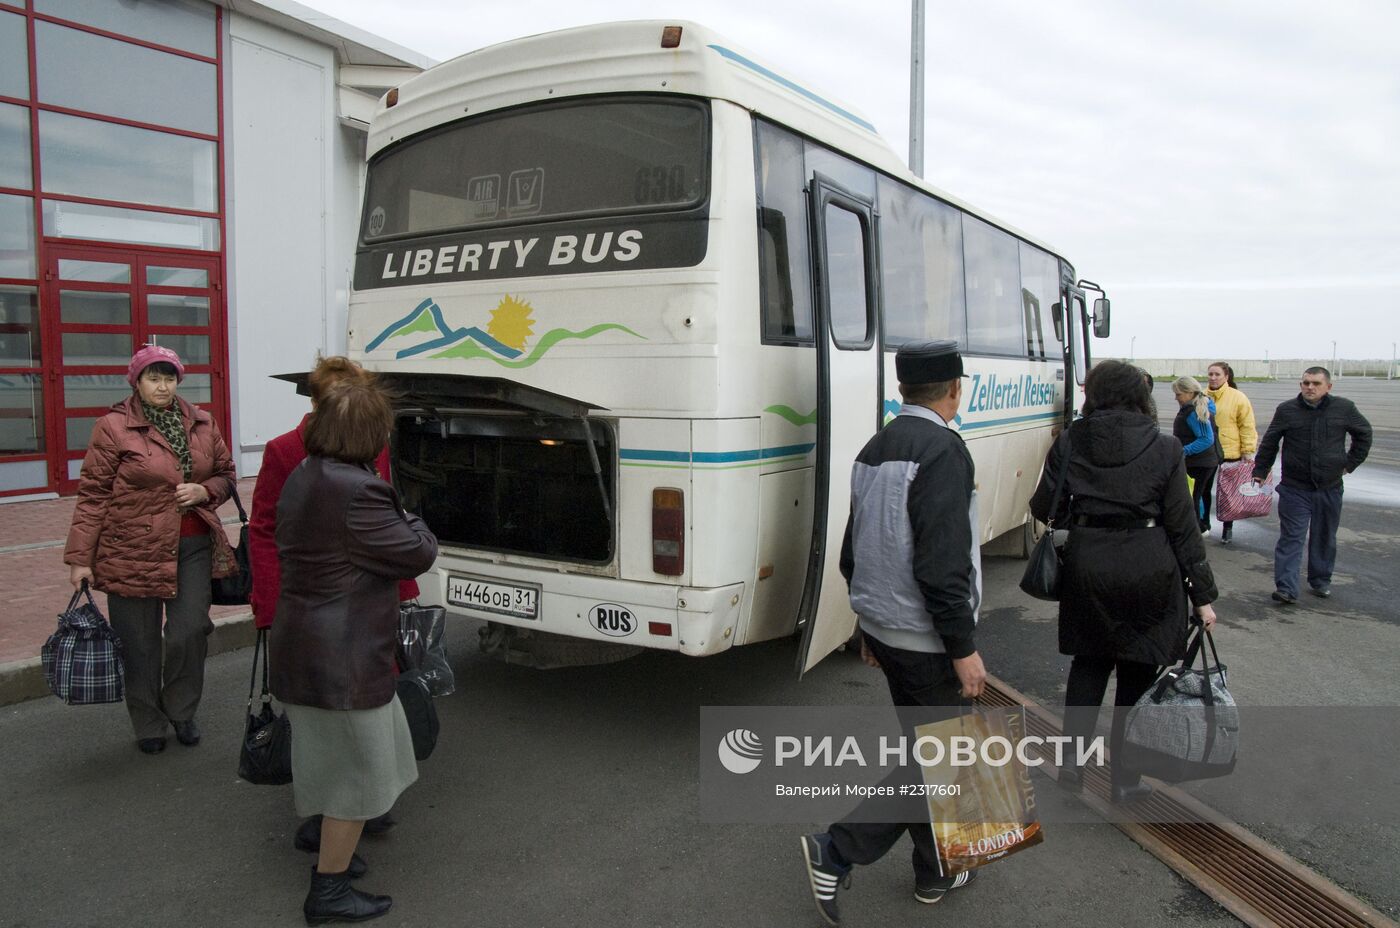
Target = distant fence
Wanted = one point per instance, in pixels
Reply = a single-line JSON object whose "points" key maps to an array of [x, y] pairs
{"points": [[1281, 368]]}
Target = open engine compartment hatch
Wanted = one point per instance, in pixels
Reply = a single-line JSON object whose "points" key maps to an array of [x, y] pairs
{"points": [[458, 391], [499, 466], [527, 484]]}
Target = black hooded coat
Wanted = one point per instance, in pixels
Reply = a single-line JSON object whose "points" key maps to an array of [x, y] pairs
{"points": [[1124, 590]]}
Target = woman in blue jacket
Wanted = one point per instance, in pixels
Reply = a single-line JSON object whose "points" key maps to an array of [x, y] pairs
{"points": [[1195, 429]]}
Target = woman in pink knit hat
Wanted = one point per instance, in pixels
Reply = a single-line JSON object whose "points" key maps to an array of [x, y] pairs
{"points": [[145, 532]]}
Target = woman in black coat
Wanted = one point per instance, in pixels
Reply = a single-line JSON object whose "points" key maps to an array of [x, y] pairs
{"points": [[1133, 558]]}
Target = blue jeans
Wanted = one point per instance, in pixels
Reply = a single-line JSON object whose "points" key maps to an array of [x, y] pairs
{"points": [[1310, 514]]}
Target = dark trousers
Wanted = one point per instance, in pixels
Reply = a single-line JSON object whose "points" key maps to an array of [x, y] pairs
{"points": [[1201, 493], [1084, 691], [1310, 514], [915, 678], [166, 687]]}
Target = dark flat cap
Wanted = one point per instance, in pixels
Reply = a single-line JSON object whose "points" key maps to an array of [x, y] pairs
{"points": [[928, 362]]}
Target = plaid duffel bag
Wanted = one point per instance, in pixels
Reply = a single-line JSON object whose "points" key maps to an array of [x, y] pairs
{"points": [[83, 657]]}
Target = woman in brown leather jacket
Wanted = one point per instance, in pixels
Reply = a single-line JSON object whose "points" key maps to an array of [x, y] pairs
{"points": [[344, 542], [145, 532]]}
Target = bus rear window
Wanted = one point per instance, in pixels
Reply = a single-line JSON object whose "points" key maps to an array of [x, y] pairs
{"points": [[591, 158]]}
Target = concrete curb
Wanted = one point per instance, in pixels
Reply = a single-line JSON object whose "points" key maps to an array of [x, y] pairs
{"points": [[24, 680]]}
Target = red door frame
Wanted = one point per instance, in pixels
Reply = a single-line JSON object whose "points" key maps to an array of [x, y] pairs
{"points": [[138, 258]]}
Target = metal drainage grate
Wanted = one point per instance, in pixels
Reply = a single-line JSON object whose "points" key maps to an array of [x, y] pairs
{"points": [[1259, 884]]}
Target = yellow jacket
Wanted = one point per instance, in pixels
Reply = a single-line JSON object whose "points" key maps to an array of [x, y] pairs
{"points": [[1234, 417]]}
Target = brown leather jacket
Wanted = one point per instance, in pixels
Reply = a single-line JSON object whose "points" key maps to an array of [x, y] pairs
{"points": [[344, 543], [126, 526]]}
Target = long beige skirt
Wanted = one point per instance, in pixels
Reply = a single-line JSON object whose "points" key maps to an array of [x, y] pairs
{"points": [[350, 764]]}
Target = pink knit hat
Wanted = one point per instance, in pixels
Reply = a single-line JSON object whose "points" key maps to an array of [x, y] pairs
{"points": [[147, 355]]}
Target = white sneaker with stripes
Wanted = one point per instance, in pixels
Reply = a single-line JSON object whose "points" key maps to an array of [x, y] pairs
{"points": [[824, 876], [935, 893]]}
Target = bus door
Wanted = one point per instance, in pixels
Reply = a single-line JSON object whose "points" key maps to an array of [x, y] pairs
{"points": [[1074, 325], [848, 400]]}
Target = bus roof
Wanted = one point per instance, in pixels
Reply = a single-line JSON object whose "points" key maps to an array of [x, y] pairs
{"points": [[627, 57]]}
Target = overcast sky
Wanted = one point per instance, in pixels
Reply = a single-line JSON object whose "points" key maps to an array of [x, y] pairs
{"points": [[1229, 172]]}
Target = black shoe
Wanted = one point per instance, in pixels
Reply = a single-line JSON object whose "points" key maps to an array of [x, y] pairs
{"points": [[151, 745], [187, 732], [380, 824], [1323, 591], [1135, 793], [332, 899], [1071, 779], [1227, 534], [936, 890], [308, 837], [1287, 599], [824, 876]]}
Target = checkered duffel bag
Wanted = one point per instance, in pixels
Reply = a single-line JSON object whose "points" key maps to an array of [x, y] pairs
{"points": [[83, 658]]}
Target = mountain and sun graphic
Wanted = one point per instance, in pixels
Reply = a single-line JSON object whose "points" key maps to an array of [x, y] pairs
{"points": [[506, 339]]}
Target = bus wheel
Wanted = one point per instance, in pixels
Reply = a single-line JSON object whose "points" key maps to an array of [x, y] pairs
{"points": [[1031, 533]]}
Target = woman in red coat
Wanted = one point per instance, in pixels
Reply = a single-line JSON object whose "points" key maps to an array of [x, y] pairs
{"points": [[280, 457], [145, 532]]}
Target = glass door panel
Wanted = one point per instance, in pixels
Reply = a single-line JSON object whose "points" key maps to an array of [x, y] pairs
{"points": [[78, 307]]}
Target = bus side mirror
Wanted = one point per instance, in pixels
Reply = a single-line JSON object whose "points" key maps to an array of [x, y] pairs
{"points": [[1057, 316], [1101, 318]]}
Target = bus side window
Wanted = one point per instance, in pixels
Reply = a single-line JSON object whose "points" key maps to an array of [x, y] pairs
{"points": [[921, 266], [995, 320], [784, 263], [774, 266], [1040, 288], [1035, 342]]}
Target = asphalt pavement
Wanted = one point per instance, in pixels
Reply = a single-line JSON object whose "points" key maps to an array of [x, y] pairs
{"points": [[570, 796], [563, 797]]}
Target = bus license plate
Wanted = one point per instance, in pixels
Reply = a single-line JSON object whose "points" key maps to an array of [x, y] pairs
{"points": [[523, 602]]}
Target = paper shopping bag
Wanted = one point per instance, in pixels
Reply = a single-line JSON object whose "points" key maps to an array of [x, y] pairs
{"points": [[983, 810]]}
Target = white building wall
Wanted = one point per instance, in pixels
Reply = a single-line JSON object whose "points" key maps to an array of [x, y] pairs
{"points": [[293, 175]]}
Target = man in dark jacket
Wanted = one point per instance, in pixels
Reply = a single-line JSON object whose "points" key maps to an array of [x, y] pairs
{"points": [[1313, 428], [916, 585]]}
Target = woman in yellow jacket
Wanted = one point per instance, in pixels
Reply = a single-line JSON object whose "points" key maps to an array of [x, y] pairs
{"points": [[1234, 420]]}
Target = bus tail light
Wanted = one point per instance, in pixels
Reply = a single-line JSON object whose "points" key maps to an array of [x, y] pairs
{"points": [[671, 37], [391, 98], [668, 531]]}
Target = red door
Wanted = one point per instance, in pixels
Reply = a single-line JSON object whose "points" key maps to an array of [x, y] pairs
{"points": [[106, 302]]}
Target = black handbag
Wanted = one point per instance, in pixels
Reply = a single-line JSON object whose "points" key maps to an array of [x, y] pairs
{"points": [[421, 713], [265, 757], [82, 659], [235, 589], [421, 649], [1042, 576]]}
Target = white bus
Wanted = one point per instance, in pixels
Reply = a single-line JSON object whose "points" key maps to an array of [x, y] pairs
{"points": [[641, 294]]}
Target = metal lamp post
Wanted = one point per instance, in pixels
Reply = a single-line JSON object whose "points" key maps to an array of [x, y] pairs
{"points": [[1132, 349], [916, 89]]}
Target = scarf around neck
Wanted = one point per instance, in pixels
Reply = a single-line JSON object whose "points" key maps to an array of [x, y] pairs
{"points": [[171, 426]]}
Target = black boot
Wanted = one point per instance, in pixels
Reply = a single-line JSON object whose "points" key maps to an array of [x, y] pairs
{"points": [[380, 824], [308, 837], [332, 899]]}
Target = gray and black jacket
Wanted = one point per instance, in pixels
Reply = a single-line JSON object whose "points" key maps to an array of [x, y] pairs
{"points": [[910, 554]]}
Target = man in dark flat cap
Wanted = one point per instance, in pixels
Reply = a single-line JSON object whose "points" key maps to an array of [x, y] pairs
{"points": [[916, 584]]}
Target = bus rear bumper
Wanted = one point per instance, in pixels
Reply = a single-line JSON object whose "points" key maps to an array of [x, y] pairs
{"points": [[694, 621]]}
